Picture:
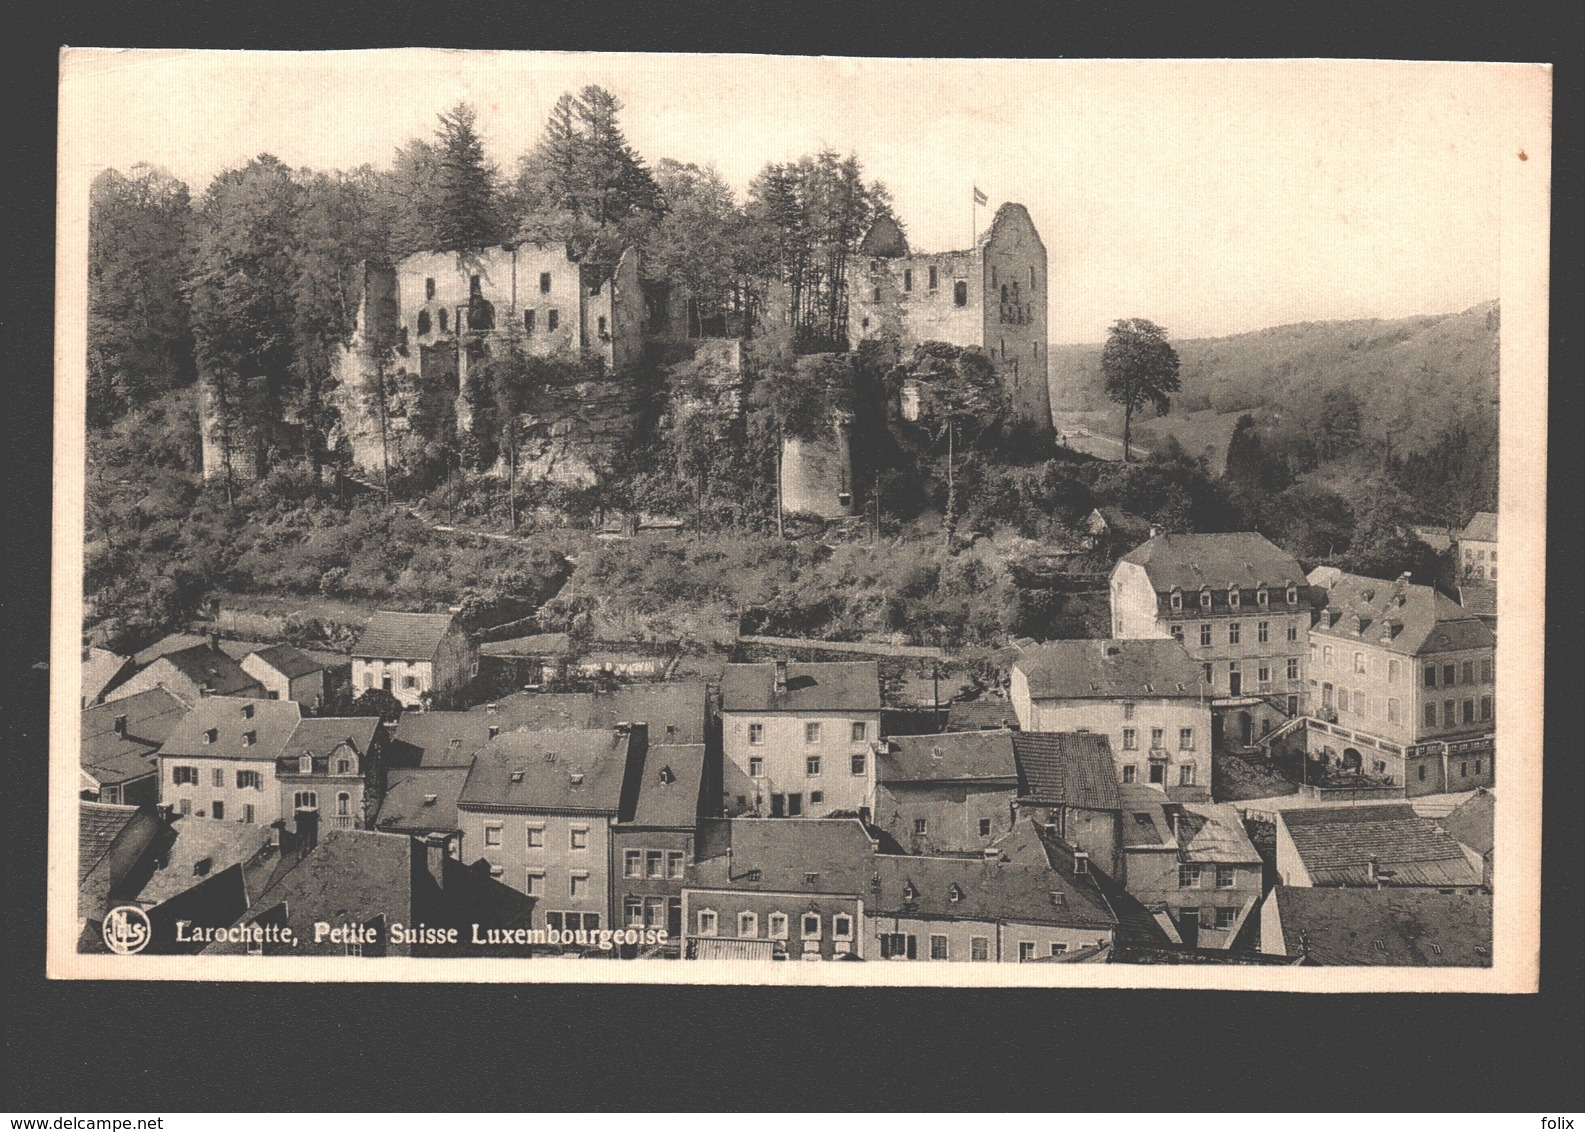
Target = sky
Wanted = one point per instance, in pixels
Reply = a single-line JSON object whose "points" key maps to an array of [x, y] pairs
{"points": [[1211, 197]]}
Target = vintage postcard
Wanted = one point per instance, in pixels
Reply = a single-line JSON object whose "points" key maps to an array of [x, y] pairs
{"points": [[821, 521]]}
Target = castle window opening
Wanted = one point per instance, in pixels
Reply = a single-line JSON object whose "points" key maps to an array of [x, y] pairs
{"points": [[1004, 292], [960, 293], [528, 321], [553, 319], [423, 323], [442, 313], [544, 282], [474, 289], [602, 326], [1032, 284], [908, 279], [864, 324], [877, 294], [935, 280], [429, 288]]}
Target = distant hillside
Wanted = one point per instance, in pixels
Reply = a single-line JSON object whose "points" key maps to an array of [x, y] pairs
{"points": [[1414, 379]]}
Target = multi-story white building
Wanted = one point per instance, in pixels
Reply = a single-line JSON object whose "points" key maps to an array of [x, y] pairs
{"points": [[1477, 548], [1241, 607], [799, 737], [1146, 696]]}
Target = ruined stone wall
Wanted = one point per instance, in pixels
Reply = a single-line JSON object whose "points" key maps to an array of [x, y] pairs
{"points": [[1015, 313], [817, 475]]}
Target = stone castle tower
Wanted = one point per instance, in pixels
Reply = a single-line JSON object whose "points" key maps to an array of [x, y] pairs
{"points": [[993, 295]]}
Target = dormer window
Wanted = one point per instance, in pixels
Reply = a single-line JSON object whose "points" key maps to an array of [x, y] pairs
{"points": [[1205, 598], [1293, 594], [666, 776], [1176, 598], [1262, 597], [249, 738], [954, 894], [247, 711], [811, 878], [305, 764], [1081, 863], [1233, 596], [212, 735]]}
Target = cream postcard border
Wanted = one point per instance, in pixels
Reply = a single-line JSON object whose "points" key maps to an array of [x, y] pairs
{"points": [[1524, 114]]}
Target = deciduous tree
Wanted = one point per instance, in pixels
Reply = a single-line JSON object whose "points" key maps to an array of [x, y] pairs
{"points": [[1140, 367]]}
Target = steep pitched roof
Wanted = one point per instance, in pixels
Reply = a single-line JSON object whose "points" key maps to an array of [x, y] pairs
{"points": [[669, 786], [113, 757], [421, 799], [212, 669], [1067, 768], [1479, 598], [674, 712], [271, 723], [583, 771], [320, 735], [1027, 891], [101, 668], [197, 848], [1482, 528], [351, 876], [953, 756], [171, 642], [1213, 833], [1398, 616], [1190, 561], [1414, 927], [403, 636], [288, 661], [825, 855], [833, 686], [1337, 842], [1473, 823], [98, 826], [1103, 669], [452, 738]]}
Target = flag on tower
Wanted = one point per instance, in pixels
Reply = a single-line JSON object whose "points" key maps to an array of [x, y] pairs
{"points": [[979, 197]]}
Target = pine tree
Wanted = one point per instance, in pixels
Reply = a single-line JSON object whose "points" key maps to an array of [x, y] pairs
{"points": [[468, 208]]}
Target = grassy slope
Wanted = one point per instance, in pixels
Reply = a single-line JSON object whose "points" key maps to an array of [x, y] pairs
{"points": [[1413, 377]]}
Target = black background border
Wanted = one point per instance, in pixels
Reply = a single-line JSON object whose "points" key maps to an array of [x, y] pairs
{"points": [[79, 1047]]}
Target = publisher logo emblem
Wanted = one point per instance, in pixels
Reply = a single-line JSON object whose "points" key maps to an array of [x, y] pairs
{"points": [[127, 930]]}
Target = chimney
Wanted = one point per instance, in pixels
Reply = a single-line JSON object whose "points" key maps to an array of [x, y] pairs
{"points": [[214, 640], [781, 677], [1172, 823], [1373, 870], [307, 831], [121, 725], [494, 731]]}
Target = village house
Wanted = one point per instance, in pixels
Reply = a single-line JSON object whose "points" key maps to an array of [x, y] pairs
{"points": [[653, 847], [1013, 907], [120, 745], [415, 656], [219, 761], [800, 736], [1369, 846], [190, 674], [1145, 696], [287, 673], [361, 885], [328, 766], [1068, 784], [948, 793], [1477, 548], [1241, 607], [1194, 860], [1107, 523], [766, 889], [1401, 685], [1369, 927], [539, 807]]}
